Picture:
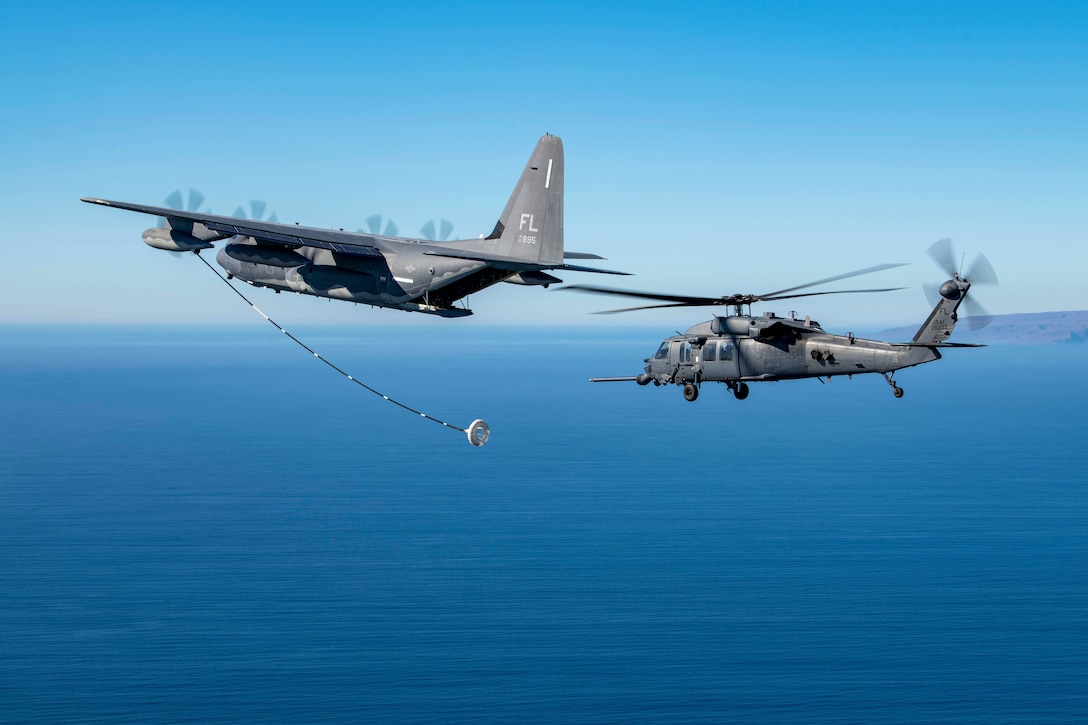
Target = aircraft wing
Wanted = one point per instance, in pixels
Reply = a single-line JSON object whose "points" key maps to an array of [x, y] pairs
{"points": [[511, 263], [290, 235]]}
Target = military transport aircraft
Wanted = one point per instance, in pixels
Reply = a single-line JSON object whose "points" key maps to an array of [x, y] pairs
{"points": [[387, 271]]}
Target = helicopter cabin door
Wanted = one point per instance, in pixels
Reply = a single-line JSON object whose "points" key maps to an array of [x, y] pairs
{"points": [[719, 360], [683, 361]]}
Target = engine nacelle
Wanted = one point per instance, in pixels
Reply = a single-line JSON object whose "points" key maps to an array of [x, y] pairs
{"points": [[532, 278], [331, 282], [731, 326], [275, 257], [173, 241]]}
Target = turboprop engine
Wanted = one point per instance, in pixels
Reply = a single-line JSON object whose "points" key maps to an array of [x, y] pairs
{"points": [[255, 254], [173, 240]]}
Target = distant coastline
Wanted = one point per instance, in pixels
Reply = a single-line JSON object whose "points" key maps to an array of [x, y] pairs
{"points": [[1035, 328]]}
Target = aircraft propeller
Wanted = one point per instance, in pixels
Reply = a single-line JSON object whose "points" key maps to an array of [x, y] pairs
{"points": [[427, 231], [374, 226], [981, 272], [735, 300], [257, 208], [176, 200], [430, 231]]}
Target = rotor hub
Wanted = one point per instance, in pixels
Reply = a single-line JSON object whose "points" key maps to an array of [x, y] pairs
{"points": [[951, 290]]}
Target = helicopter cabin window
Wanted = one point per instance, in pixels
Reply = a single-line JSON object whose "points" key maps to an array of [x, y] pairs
{"points": [[727, 351], [710, 352], [662, 352]]}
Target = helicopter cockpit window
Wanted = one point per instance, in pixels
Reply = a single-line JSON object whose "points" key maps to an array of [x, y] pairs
{"points": [[685, 353], [662, 352], [727, 351], [710, 352]]}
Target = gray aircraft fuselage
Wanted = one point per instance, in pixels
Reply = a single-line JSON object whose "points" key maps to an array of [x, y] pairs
{"points": [[398, 272], [403, 276], [738, 349], [732, 349]]}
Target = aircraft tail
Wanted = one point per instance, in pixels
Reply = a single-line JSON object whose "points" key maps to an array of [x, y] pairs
{"points": [[942, 320], [531, 226]]}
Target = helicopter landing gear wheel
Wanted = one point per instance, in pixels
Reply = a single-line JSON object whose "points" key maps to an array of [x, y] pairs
{"points": [[690, 393], [896, 390], [740, 391]]}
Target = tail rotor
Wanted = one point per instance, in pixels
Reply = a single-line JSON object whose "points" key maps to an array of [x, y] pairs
{"points": [[981, 272]]}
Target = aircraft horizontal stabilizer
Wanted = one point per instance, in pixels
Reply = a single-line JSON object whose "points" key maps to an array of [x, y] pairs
{"points": [[512, 264]]}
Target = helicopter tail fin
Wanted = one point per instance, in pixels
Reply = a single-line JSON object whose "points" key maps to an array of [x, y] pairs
{"points": [[942, 320]]}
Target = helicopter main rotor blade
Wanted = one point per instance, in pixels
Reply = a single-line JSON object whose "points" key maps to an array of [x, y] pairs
{"points": [[831, 292], [941, 253], [682, 300], [856, 273], [643, 307], [688, 301]]}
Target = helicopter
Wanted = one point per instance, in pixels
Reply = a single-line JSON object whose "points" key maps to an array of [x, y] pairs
{"points": [[740, 348]]}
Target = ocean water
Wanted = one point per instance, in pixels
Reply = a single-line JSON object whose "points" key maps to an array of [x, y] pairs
{"points": [[209, 525]]}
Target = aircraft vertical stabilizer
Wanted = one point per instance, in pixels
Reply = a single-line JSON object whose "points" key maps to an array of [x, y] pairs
{"points": [[531, 225]]}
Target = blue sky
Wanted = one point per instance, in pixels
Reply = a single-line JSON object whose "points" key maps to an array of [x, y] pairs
{"points": [[710, 149]]}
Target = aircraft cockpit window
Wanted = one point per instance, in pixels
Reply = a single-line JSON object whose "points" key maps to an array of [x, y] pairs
{"points": [[710, 352], [662, 352], [685, 353], [727, 351]]}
